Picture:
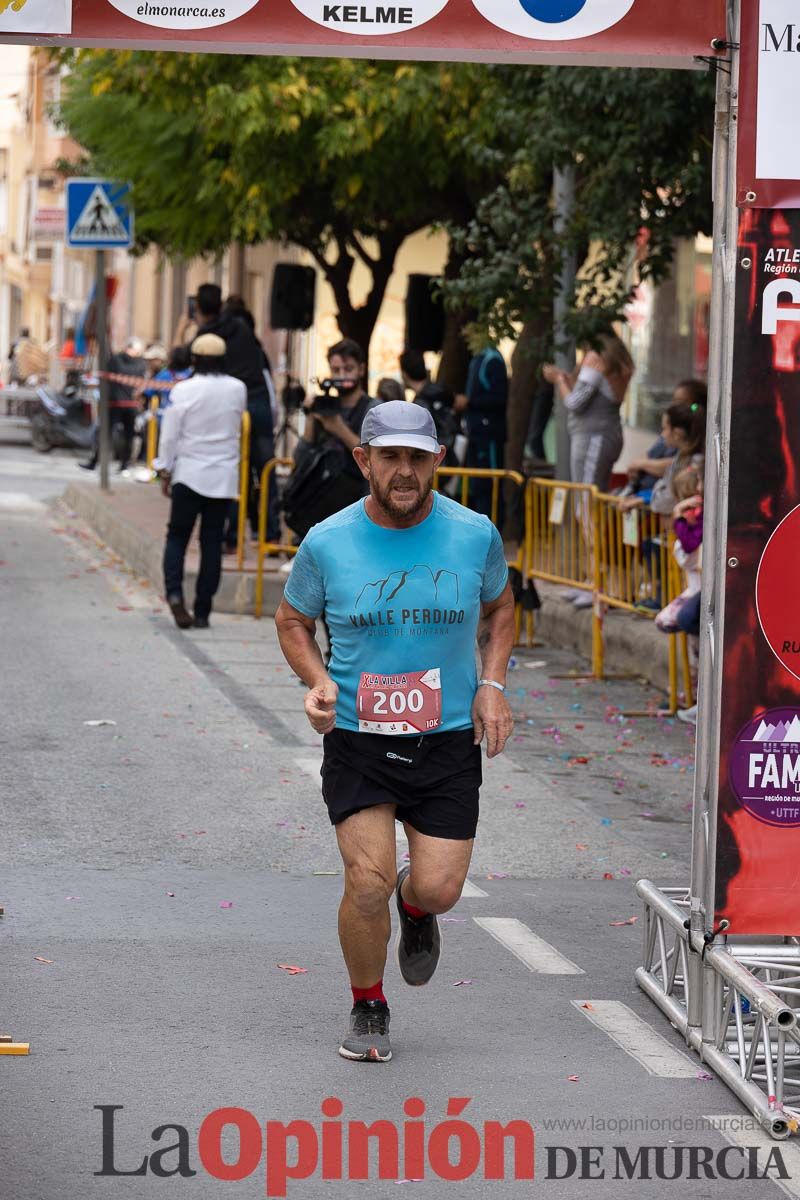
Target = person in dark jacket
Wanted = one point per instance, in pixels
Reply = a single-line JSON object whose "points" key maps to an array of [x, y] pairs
{"points": [[439, 401], [124, 402], [245, 359], [485, 417]]}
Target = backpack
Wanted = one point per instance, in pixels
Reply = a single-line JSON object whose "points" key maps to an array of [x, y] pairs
{"points": [[319, 488]]}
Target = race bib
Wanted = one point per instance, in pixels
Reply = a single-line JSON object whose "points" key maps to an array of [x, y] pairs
{"points": [[396, 704]]}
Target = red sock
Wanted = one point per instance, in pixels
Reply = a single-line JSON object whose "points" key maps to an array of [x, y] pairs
{"points": [[409, 908], [371, 993]]}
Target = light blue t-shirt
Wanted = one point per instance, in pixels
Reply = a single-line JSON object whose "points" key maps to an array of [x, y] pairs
{"points": [[401, 602]]}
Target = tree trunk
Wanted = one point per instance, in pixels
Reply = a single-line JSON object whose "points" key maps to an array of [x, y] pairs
{"points": [[359, 322], [455, 358], [524, 373]]}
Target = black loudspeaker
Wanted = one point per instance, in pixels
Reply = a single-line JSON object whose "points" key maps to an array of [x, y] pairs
{"points": [[424, 315], [292, 299]]}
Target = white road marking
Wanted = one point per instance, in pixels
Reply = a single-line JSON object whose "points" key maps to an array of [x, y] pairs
{"points": [[744, 1130], [531, 950], [633, 1035], [471, 891]]}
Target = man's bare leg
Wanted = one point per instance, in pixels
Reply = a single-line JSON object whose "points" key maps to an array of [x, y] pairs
{"points": [[369, 851], [439, 867]]}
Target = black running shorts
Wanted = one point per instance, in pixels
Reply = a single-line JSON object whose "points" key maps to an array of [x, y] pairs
{"points": [[434, 780]]}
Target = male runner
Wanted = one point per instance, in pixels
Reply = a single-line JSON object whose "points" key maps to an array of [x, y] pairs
{"points": [[403, 579]]}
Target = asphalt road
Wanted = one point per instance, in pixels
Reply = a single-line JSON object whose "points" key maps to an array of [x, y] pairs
{"points": [[156, 870]]}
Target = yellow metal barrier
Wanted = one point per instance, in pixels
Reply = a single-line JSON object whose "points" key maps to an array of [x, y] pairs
{"points": [[639, 573], [152, 432], [265, 547], [561, 536], [244, 488]]}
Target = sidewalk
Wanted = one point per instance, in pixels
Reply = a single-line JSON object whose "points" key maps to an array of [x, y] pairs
{"points": [[132, 518]]}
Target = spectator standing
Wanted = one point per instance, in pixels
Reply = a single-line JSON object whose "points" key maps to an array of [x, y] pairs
{"points": [[123, 403], [593, 403], [198, 464], [245, 360], [439, 401], [485, 418], [179, 366]]}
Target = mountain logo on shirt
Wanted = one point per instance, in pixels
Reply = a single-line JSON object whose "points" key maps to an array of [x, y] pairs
{"points": [[411, 587], [412, 596]]}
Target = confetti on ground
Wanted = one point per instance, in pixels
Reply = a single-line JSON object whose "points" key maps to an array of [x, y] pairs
{"points": [[290, 970], [463, 983], [72, 897], [49, 961], [606, 821], [497, 875], [326, 872], [170, 893], [520, 804], [226, 904], [704, 1075], [454, 920], [573, 1078], [587, 1005], [607, 875], [619, 924], [97, 724]]}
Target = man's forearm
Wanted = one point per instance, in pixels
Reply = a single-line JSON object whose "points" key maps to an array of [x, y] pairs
{"points": [[496, 636], [302, 653]]}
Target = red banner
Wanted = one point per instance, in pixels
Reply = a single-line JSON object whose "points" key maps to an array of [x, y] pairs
{"points": [[758, 845], [601, 32], [768, 173]]}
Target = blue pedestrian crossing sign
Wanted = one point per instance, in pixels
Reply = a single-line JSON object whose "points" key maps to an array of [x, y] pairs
{"points": [[99, 215]]}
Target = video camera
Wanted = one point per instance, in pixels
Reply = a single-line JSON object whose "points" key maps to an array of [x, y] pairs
{"points": [[329, 398]]}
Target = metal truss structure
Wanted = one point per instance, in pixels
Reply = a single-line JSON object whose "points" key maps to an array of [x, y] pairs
{"points": [[736, 1004]]}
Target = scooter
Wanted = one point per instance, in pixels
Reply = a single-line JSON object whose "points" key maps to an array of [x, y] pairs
{"points": [[61, 419]]}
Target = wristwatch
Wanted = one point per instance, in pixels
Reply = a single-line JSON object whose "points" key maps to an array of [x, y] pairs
{"points": [[491, 683]]}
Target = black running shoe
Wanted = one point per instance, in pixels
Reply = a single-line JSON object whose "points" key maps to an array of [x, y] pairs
{"points": [[200, 622], [419, 942], [367, 1040]]}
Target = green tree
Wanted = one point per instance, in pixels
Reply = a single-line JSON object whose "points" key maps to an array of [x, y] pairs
{"points": [[345, 158], [640, 144]]}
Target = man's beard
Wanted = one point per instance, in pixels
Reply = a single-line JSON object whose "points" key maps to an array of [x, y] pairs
{"points": [[383, 498]]}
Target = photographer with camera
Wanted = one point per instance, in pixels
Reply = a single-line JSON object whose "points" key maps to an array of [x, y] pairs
{"points": [[326, 478]]}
